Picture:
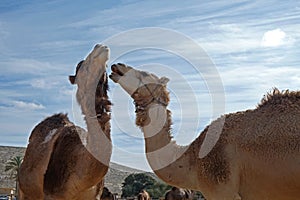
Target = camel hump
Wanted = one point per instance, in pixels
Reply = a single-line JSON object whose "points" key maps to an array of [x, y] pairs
{"points": [[284, 98], [46, 128], [38, 153]]}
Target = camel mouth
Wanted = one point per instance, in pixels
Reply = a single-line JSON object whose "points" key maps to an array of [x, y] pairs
{"points": [[104, 49], [100, 50], [119, 70], [116, 73], [116, 69], [101, 47]]}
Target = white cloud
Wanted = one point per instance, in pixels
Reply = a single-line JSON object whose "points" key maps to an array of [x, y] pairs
{"points": [[274, 38], [228, 28], [40, 83], [27, 105], [229, 38], [67, 92], [32, 67], [47, 82]]}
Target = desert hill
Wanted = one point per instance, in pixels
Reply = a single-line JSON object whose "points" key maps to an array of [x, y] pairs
{"points": [[113, 179]]}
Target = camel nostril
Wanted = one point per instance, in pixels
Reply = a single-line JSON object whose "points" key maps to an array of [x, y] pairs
{"points": [[114, 67]]}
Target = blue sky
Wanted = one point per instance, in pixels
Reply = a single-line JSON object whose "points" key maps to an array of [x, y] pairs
{"points": [[254, 45]]}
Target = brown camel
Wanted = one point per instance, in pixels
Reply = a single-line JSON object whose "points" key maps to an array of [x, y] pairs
{"points": [[143, 195], [57, 164], [107, 195], [179, 194], [256, 155]]}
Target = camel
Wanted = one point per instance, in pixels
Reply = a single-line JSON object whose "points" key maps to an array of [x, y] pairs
{"points": [[58, 164], [143, 195], [256, 154], [179, 194], [107, 195]]}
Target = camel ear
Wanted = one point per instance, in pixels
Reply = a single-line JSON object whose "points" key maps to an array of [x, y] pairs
{"points": [[72, 79], [163, 80]]}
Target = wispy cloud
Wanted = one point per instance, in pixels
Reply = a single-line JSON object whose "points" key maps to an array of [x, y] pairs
{"points": [[46, 83], [23, 66], [27, 105]]}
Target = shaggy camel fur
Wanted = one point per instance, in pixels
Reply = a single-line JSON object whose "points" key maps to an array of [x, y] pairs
{"points": [[255, 157], [179, 194], [57, 165], [143, 195]]}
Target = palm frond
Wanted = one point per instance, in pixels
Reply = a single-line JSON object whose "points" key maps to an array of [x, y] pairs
{"points": [[13, 165]]}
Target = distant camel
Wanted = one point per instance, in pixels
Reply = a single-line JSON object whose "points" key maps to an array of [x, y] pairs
{"points": [[107, 195], [179, 194], [57, 164], [249, 155], [143, 195]]}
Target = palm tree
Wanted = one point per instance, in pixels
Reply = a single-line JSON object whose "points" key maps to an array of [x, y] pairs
{"points": [[12, 166]]}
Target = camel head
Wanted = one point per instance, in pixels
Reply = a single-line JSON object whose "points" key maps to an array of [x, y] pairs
{"points": [[91, 80], [143, 87], [94, 64]]}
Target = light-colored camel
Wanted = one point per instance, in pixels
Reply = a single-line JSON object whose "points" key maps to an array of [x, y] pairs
{"points": [[143, 195], [57, 164], [256, 155], [179, 194]]}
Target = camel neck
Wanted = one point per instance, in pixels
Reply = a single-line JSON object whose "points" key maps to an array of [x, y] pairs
{"points": [[160, 148], [93, 99], [95, 106], [98, 140], [157, 129], [167, 159]]}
